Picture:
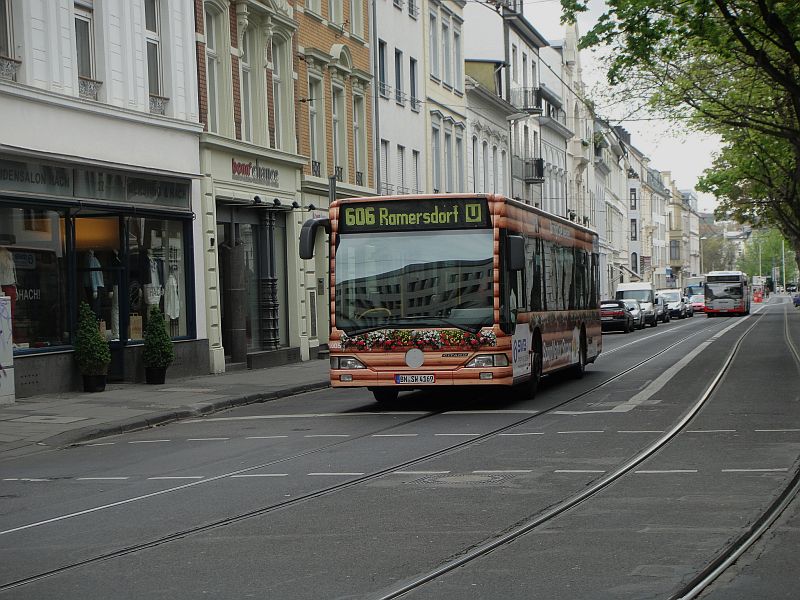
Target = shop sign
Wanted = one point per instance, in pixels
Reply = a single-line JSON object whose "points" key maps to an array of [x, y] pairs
{"points": [[252, 172], [19, 176], [101, 185], [158, 192]]}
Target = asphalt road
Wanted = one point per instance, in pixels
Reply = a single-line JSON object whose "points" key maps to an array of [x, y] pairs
{"points": [[325, 495]]}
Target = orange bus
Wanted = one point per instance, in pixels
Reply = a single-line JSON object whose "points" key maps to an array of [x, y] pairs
{"points": [[456, 289]]}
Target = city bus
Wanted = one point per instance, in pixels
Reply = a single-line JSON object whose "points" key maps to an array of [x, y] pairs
{"points": [[694, 285], [456, 290], [727, 293]]}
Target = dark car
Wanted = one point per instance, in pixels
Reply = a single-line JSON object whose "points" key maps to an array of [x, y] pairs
{"points": [[796, 300], [615, 316]]}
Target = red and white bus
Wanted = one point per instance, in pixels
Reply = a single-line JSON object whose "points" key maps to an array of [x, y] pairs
{"points": [[727, 293], [467, 290]]}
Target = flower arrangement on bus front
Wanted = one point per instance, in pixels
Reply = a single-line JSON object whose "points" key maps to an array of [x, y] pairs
{"points": [[397, 339]]}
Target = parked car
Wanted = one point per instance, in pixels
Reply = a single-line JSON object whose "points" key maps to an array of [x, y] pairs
{"points": [[791, 287], [676, 303], [615, 316], [796, 300], [661, 311], [637, 312], [698, 303]]}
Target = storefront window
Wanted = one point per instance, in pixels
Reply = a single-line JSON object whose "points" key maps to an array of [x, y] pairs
{"points": [[156, 274], [33, 273]]}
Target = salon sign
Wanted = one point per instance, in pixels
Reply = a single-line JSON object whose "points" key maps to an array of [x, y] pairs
{"points": [[252, 172]]}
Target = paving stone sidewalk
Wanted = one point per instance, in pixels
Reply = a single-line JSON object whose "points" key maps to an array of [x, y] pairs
{"points": [[50, 421]]}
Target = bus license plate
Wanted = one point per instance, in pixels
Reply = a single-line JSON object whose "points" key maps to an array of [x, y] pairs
{"points": [[412, 379]]}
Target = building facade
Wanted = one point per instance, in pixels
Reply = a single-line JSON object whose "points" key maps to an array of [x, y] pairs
{"points": [[99, 182]]}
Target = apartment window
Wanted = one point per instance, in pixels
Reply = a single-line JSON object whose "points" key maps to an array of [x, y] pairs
{"points": [[514, 63], [433, 44], [247, 89], [459, 163], [84, 40], [335, 10], [412, 83], [413, 9], [398, 77], [634, 230], [357, 17], [385, 167], [316, 109], [485, 165], [212, 74], [152, 22], [448, 162], [447, 66], [359, 138], [383, 87], [280, 72], [495, 167], [524, 70], [6, 32], [633, 198], [503, 172], [457, 62], [415, 171], [476, 167], [674, 250], [401, 169], [635, 261], [339, 133], [436, 151], [314, 6]]}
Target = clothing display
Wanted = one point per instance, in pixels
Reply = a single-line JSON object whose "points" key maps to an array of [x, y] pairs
{"points": [[94, 277], [8, 271], [172, 303]]}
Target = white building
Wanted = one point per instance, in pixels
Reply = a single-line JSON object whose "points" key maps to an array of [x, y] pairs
{"points": [[99, 170], [400, 80]]}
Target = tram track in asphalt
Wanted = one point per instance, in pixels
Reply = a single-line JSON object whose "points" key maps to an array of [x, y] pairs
{"points": [[220, 523], [723, 560]]}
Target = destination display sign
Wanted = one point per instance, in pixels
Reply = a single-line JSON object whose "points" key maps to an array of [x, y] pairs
{"points": [[414, 215]]}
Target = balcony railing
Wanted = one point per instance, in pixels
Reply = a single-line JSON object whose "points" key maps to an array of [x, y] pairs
{"points": [[413, 9], [384, 89], [416, 104], [88, 89], [316, 168], [158, 104], [9, 68], [359, 178], [400, 96], [527, 99], [339, 172], [530, 170]]}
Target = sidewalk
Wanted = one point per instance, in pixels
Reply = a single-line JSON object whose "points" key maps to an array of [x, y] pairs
{"points": [[55, 420]]}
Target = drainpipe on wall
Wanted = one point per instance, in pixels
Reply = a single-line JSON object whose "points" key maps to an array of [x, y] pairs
{"points": [[375, 97]]}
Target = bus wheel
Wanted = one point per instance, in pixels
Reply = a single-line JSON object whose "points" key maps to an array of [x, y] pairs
{"points": [[385, 395]]}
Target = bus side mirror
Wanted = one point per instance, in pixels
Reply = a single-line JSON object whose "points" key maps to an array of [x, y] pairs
{"points": [[516, 252], [308, 234]]}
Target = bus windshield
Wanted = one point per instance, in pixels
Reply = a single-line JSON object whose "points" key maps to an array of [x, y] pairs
{"points": [[414, 280], [720, 290]]}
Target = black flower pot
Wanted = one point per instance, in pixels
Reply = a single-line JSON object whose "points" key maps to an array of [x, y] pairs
{"points": [[155, 375], [94, 383]]}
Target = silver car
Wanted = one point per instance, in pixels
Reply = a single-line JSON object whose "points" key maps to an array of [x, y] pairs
{"points": [[637, 312]]}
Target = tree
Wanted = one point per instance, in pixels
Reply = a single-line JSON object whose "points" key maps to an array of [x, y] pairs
{"points": [[728, 67], [718, 254]]}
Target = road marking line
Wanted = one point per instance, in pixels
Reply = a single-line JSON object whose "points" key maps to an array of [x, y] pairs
{"points": [[100, 444], [101, 478], [310, 416], [457, 434], [219, 439], [265, 437], [577, 471], [178, 477], [420, 472], [149, 441], [775, 430], [638, 431], [597, 431], [26, 479], [327, 435], [336, 474], [754, 470], [654, 471], [530, 433], [491, 412], [260, 475], [395, 435], [505, 471]]}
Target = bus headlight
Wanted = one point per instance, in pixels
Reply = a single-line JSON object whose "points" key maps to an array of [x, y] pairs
{"points": [[488, 360], [346, 362]]}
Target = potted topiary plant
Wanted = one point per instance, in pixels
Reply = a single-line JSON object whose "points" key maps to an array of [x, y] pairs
{"points": [[158, 350], [91, 351]]}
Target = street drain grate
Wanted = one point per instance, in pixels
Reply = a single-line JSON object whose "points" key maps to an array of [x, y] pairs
{"points": [[462, 480]]}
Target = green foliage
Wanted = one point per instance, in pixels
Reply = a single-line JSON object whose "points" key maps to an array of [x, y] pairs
{"points": [[91, 350], [158, 350]]}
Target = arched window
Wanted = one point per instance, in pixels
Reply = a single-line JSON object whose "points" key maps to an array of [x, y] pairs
{"points": [[476, 166], [635, 261]]}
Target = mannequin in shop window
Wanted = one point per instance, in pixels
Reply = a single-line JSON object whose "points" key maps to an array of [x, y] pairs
{"points": [[154, 288], [8, 278], [172, 303], [93, 282]]}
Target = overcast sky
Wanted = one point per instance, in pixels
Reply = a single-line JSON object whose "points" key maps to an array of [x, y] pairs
{"points": [[684, 153]]}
